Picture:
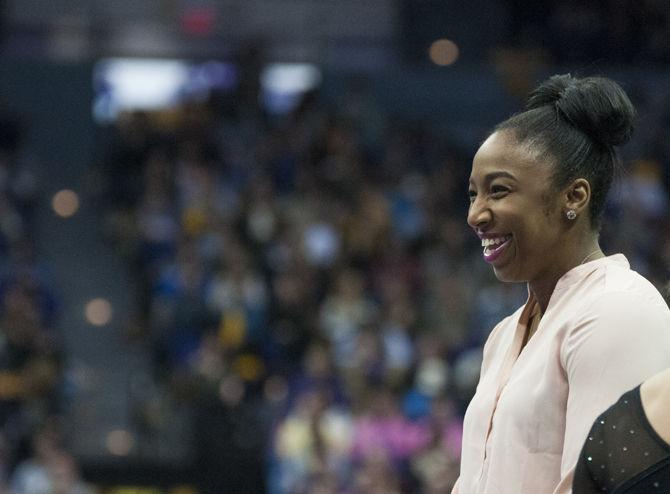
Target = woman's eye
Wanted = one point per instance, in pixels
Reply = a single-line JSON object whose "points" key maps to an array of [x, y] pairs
{"points": [[472, 195], [499, 191]]}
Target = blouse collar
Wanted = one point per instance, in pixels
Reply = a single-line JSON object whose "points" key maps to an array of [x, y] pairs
{"points": [[582, 271]]}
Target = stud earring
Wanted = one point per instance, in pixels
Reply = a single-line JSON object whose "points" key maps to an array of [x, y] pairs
{"points": [[571, 214]]}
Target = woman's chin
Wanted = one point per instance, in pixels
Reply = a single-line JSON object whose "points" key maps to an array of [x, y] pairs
{"points": [[507, 275]]}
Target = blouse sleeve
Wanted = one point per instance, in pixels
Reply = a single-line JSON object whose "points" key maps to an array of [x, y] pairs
{"points": [[617, 342]]}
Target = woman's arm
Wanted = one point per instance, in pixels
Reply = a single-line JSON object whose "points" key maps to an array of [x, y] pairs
{"points": [[655, 397]]}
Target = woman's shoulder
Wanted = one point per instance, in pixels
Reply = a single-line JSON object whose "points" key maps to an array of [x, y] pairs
{"points": [[609, 280], [655, 398], [619, 289], [624, 314], [620, 279]]}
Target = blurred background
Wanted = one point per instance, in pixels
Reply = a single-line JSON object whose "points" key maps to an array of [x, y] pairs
{"points": [[233, 248]]}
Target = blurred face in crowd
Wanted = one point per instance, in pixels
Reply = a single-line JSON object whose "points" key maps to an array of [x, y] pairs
{"points": [[515, 211]]}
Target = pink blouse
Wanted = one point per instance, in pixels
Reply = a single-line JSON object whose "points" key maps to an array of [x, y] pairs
{"points": [[605, 330]]}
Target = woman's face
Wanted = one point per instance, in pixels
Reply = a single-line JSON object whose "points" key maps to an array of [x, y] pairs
{"points": [[514, 210]]}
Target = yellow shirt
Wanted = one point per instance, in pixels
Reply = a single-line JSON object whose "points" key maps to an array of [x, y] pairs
{"points": [[605, 330]]}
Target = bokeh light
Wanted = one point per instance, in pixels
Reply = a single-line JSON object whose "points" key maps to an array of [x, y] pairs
{"points": [[65, 203], [443, 52], [275, 389], [98, 311], [120, 442], [231, 390]]}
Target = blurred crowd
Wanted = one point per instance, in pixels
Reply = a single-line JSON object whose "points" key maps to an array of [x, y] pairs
{"points": [[309, 283], [33, 455], [622, 31], [317, 267]]}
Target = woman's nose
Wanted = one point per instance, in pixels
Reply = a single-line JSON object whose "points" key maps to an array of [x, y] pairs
{"points": [[478, 214]]}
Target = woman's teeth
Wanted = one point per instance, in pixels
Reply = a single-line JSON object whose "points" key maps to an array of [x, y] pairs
{"points": [[490, 242]]}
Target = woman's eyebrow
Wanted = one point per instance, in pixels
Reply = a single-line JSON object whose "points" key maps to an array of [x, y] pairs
{"points": [[490, 177]]}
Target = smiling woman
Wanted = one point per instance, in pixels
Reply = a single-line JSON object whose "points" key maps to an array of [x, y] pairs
{"points": [[591, 328]]}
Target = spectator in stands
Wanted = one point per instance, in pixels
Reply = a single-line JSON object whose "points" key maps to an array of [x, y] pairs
{"points": [[313, 441], [49, 469]]}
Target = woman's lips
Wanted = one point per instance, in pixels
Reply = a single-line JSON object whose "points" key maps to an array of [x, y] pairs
{"points": [[492, 253]]}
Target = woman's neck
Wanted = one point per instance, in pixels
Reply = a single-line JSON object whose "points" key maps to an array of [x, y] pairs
{"points": [[543, 287]]}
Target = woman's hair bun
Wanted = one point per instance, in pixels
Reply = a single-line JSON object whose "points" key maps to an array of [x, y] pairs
{"points": [[597, 106]]}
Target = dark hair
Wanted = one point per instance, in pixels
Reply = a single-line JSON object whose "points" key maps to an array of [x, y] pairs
{"points": [[578, 122]]}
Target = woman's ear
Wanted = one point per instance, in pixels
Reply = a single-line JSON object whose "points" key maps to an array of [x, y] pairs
{"points": [[577, 196]]}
